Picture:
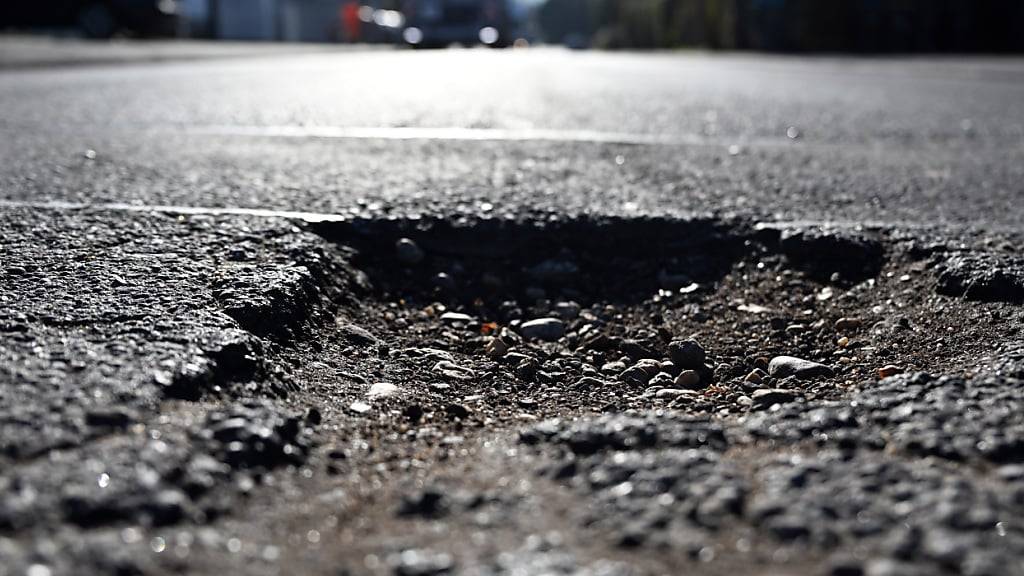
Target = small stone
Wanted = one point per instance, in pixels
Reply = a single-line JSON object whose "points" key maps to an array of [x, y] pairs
{"points": [[889, 370], [756, 376], [457, 411], [444, 281], [456, 318], [641, 372], [636, 350], [357, 334], [360, 407], [454, 371], [567, 310], [548, 329], [1011, 473], [673, 393], [687, 354], [613, 367], [783, 366], [422, 563], [847, 324], [589, 382], [382, 390], [754, 309], [688, 379], [843, 342], [313, 416], [527, 369], [109, 417], [770, 396], [496, 348], [669, 367], [516, 357], [527, 403], [788, 528], [408, 252], [662, 380], [430, 354]]}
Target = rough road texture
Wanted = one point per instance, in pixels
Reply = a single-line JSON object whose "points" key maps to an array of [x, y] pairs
{"points": [[667, 339]]}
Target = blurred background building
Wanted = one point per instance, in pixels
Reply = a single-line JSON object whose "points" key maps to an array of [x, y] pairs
{"points": [[773, 25], [790, 25]]}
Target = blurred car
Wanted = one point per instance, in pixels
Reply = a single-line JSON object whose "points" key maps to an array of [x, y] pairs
{"points": [[95, 18], [438, 23], [380, 25]]}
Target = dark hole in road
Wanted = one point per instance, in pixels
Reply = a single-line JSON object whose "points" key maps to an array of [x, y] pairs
{"points": [[622, 260], [588, 260]]}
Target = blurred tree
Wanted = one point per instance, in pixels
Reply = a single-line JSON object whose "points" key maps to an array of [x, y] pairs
{"points": [[791, 25]]}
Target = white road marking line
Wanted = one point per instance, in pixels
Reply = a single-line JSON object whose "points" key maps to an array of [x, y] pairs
{"points": [[457, 134]]}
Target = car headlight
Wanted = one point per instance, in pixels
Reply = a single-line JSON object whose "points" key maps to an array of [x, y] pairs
{"points": [[167, 6]]}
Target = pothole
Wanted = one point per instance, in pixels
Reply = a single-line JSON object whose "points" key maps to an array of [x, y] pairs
{"points": [[534, 318], [483, 263]]}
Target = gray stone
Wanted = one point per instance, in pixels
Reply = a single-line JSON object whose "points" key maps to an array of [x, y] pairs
{"points": [[567, 310], [382, 390], [590, 382], [496, 348], [641, 372], [673, 393], [783, 366], [357, 335], [769, 396], [689, 380], [456, 318], [548, 329]]}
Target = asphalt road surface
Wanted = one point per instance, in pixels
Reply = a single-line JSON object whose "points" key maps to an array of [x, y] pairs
{"points": [[325, 311]]}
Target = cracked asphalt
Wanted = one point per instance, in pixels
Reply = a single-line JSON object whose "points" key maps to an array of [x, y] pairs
{"points": [[520, 312]]}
